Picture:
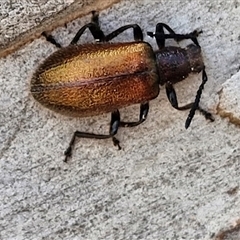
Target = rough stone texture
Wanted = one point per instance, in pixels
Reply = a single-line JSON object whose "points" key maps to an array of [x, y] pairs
{"points": [[232, 233], [230, 99], [166, 182], [24, 21]]}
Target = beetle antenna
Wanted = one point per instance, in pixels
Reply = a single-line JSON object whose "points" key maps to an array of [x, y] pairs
{"points": [[195, 105]]}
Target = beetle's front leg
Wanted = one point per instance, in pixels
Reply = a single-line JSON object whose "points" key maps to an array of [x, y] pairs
{"points": [[144, 108], [161, 36], [114, 124], [172, 97]]}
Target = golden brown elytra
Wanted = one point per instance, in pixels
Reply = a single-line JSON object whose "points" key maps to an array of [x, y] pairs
{"points": [[90, 79]]}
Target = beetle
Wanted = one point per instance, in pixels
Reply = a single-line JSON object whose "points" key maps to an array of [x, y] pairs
{"points": [[91, 79]]}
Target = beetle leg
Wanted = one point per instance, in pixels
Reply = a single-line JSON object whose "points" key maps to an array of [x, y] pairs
{"points": [[99, 35], [172, 97], [171, 94], [144, 108], [51, 39], [114, 124], [161, 36], [137, 32], [94, 29]]}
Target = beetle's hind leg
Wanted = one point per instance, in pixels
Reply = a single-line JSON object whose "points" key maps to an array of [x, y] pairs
{"points": [[51, 39], [93, 26], [144, 109], [114, 124]]}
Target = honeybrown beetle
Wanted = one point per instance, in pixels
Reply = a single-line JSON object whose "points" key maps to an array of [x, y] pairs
{"points": [[90, 79]]}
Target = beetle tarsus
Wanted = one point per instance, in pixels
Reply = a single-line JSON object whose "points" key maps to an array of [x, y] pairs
{"points": [[116, 143], [68, 153], [50, 39], [95, 15], [206, 114]]}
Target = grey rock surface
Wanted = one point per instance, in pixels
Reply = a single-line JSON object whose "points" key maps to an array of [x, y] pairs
{"points": [[166, 182], [229, 99]]}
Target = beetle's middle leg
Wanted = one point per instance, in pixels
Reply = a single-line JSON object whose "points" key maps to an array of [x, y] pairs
{"points": [[114, 125], [94, 28], [144, 109], [137, 32], [98, 34]]}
